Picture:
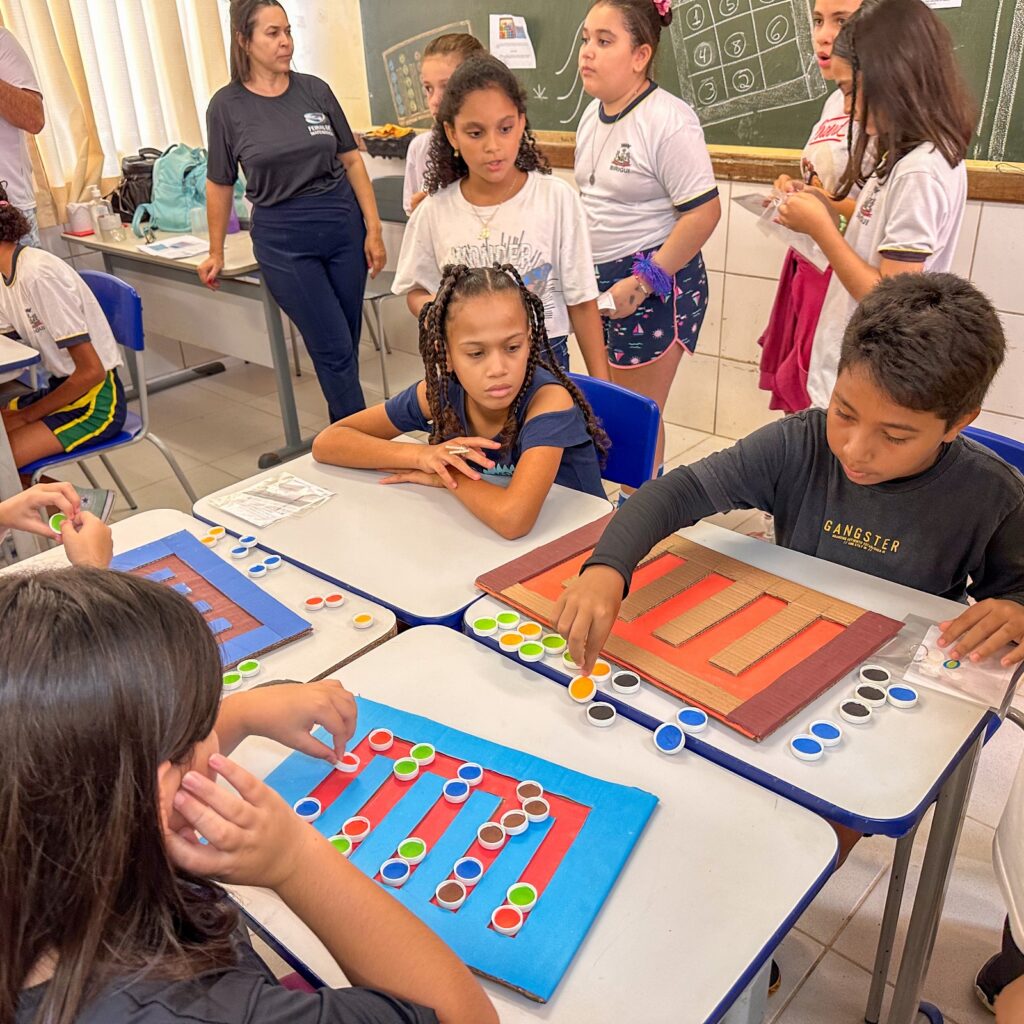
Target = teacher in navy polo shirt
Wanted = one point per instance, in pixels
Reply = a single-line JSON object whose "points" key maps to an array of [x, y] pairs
{"points": [[316, 230]]}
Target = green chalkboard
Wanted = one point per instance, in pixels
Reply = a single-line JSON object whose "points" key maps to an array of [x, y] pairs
{"points": [[745, 66]]}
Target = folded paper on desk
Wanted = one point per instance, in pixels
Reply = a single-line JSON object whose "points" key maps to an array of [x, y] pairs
{"points": [[272, 499], [180, 248]]}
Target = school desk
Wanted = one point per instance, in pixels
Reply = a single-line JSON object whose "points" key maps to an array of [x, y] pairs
{"points": [[334, 641], [717, 878], [415, 549], [880, 779], [14, 357], [225, 320]]}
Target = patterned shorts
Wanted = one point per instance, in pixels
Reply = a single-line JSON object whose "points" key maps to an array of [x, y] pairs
{"points": [[657, 323]]}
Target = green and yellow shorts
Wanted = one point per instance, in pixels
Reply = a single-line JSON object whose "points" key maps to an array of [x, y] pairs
{"points": [[95, 417]]}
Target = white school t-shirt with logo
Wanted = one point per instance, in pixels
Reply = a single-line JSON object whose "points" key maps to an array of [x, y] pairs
{"points": [[15, 168], [541, 231], [415, 168], [650, 164], [914, 216], [51, 308]]}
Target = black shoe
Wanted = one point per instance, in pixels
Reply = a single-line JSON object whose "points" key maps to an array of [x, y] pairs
{"points": [[775, 979], [984, 989]]}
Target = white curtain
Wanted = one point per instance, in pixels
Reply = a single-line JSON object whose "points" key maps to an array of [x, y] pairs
{"points": [[115, 75]]}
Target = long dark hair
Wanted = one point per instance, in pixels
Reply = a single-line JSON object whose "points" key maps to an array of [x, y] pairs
{"points": [[104, 677], [459, 282], [243, 15], [478, 71], [643, 22], [910, 82]]}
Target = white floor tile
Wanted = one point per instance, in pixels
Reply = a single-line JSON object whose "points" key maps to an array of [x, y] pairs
{"points": [[797, 956], [996, 772], [836, 992], [169, 493], [681, 439]]}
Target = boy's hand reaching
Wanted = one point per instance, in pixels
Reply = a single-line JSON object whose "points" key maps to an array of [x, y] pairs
{"points": [[983, 629], [252, 836], [87, 541], [586, 612], [24, 511]]}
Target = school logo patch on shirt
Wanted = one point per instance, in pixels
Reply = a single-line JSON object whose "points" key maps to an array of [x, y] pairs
{"points": [[315, 117], [621, 161], [868, 206]]}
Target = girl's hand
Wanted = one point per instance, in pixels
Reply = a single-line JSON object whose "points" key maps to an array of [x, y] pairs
{"points": [[784, 183], [87, 541], [416, 476], [288, 711], [376, 254], [252, 836], [628, 295], [22, 511], [209, 270], [805, 212], [983, 629], [439, 459]]}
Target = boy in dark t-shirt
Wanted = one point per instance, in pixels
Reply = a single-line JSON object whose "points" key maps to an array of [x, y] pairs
{"points": [[883, 481]]}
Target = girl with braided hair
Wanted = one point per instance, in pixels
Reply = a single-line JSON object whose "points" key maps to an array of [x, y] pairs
{"points": [[494, 400], [492, 199]]}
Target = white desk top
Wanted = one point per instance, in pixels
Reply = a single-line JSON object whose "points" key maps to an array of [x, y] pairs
{"points": [[716, 879], [334, 640], [15, 355], [883, 771], [415, 549], [238, 255]]}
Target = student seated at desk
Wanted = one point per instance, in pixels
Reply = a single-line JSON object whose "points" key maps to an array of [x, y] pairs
{"points": [[86, 539], [114, 734], [45, 304], [492, 388], [882, 481]]}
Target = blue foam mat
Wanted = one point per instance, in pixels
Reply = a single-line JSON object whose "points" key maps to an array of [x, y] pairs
{"points": [[535, 960], [278, 623]]}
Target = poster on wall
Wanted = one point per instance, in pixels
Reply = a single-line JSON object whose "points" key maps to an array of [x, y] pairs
{"points": [[510, 41]]}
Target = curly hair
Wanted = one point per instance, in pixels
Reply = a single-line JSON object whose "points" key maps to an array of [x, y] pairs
{"points": [[13, 224], [458, 283], [476, 72]]}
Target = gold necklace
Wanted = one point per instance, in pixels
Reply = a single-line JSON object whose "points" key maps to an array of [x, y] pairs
{"points": [[611, 131], [485, 225]]}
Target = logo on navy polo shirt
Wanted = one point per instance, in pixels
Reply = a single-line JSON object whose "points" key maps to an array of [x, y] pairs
{"points": [[317, 123], [315, 117]]}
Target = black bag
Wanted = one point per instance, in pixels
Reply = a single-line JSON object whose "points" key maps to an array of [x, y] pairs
{"points": [[136, 185]]}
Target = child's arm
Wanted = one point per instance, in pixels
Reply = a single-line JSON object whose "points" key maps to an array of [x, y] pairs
{"points": [[510, 511], [417, 299], [747, 475], [998, 585], [286, 712], [589, 331], [1010, 1003], [23, 511], [364, 440], [254, 838], [87, 374]]}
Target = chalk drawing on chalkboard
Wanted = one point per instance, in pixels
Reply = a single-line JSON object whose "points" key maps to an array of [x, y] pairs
{"points": [[576, 89], [739, 57], [402, 68], [1008, 87]]}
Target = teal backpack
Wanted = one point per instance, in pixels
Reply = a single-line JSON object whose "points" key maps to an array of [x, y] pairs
{"points": [[179, 184]]}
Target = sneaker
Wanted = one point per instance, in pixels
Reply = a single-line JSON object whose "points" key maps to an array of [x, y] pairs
{"points": [[775, 979], [984, 989]]}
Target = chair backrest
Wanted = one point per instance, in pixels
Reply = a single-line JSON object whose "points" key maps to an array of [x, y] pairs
{"points": [[631, 422], [121, 305], [388, 193], [1009, 450]]}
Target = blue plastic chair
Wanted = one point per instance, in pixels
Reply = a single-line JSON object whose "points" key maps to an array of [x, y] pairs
{"points": [[122, 307], [1005, 447], [631, 422]]}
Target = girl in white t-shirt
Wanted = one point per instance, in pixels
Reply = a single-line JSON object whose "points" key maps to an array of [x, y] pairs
{"points": [[786, 341], [894, 63], [492, 199], [440, 59], [649, 190], [46, 304]]}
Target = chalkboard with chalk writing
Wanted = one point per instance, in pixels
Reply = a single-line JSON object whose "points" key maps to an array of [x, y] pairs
{"points": [[745, 66]]}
